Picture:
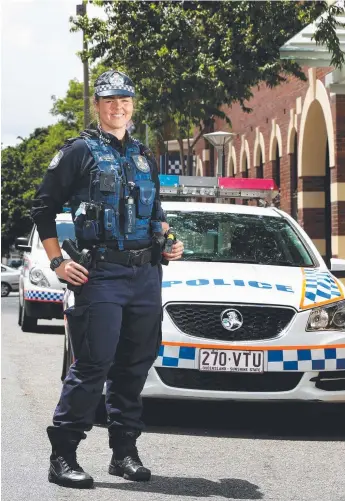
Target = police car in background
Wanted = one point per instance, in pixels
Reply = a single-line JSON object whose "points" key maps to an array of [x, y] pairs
{"points": [[40, 291], [251, 311]]}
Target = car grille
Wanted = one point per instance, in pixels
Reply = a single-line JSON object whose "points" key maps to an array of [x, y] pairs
{"points": [[203, 320], [219, 381]]}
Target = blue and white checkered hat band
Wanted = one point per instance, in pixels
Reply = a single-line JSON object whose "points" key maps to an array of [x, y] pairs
{"points": [[101, 88], [320, 288], [34, 295], [277, 360]]}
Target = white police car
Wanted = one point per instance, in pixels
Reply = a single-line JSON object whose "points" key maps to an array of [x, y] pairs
{"points": [[40, 291], [251, 311]]}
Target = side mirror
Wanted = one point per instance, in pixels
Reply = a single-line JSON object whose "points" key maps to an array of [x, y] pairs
{"points": [[22, 243], [338, 267]]}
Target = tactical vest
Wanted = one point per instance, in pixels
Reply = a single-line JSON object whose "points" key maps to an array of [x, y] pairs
{"points": [[120, 203]]}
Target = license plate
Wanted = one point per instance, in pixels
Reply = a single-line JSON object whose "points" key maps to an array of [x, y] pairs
{"points": [[231, 360]]}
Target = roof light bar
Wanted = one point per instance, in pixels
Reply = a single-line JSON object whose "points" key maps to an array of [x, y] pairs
{"points": [[169, 184], [224, 187], [198, 186], [246, 188]]}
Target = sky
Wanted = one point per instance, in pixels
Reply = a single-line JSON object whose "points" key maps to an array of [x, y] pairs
{"points": [[38, 59]]}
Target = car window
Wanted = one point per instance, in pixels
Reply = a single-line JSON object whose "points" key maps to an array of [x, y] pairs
{"points": [[3, 269], [239, 238], [65, 229], [14, 263]]}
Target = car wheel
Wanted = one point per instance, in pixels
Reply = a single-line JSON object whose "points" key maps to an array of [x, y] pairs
{"points": [[5, 289], [20, 313], [67, 358], [28, 324]]}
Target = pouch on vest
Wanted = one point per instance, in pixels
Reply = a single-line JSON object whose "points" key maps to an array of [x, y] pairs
{"points": [[107, 182], [147, 193], [109, 224], [91, 230]]}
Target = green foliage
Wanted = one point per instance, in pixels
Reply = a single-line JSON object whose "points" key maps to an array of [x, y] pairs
{"points": [[24, 165], [71, 106], [188, 59]]}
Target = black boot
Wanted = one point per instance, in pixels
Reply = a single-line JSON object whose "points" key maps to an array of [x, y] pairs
{"points": [[125, 461], [64, 470]]}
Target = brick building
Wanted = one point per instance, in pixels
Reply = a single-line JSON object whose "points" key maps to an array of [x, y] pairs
{"points": [[296, 135]]}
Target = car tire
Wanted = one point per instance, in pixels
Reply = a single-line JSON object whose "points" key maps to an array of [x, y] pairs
{"points": [[20, 313], [5, 289], [28, 324], [67, 358]]}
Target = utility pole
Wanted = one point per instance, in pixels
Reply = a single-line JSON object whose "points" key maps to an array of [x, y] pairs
{"points": [[81, 11], [147, 135]]}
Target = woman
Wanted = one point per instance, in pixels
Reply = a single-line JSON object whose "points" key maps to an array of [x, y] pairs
{"points": [[111, 181]]}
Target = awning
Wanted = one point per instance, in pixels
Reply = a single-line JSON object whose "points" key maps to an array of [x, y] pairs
{"points": [[302, 49]]}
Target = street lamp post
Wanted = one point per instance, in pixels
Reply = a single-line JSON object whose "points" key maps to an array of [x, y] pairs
{"points": [[219, 139], [81, 11]]}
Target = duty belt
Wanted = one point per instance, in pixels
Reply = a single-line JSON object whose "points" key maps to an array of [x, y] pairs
{"points": [[125, 257]]}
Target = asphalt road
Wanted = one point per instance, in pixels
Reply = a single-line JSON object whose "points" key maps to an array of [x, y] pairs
{"points": [[202, 451]]}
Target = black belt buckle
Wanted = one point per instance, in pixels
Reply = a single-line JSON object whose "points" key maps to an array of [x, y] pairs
{"points": [[140, 257], [136, 257]]}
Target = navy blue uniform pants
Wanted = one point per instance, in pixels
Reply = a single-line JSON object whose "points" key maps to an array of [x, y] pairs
{"points": [[115, 328]]}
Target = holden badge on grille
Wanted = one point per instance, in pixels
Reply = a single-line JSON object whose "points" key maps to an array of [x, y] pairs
{"points": [[231, 319]]}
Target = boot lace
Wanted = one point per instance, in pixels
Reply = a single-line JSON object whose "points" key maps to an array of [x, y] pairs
{"points": [[70, 462]]}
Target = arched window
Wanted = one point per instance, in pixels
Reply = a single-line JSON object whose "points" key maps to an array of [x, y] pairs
{"points": [[260, 168], [276, 171], [294, 180], [245, 172]]}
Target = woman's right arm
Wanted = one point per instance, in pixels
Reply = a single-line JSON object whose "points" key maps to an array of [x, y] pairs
{"points": [[54, 191]]}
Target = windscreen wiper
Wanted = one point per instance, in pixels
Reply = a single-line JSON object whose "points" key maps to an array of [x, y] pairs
{"points": [[283, 263], [197, 258]]}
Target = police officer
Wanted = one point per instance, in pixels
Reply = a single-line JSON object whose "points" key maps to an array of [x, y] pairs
{"points": [[111, 181]]}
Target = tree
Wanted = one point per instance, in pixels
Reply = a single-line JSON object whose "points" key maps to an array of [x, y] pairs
{"points": [[24, 165], [190, 58]]}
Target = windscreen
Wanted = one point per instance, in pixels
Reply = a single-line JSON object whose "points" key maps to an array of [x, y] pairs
{"points": [[239, 238]]}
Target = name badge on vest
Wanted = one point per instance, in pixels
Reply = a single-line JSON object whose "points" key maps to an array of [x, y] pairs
{"points": [[141, 163], [106, 158]]}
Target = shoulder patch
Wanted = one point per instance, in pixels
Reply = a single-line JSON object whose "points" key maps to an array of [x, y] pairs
{"points": [[56, 160]]}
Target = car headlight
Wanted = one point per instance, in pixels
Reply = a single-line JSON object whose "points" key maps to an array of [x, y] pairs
{"points": [[327, 318], [37, 277]]}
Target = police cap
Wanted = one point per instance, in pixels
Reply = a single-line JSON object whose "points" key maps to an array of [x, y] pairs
{"points": [[114, 83]]}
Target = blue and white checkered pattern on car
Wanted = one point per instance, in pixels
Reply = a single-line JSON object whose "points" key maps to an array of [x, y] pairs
{"points": [[320, 287], [182, 357], [54, 297], [304, 360], [301, 359]]}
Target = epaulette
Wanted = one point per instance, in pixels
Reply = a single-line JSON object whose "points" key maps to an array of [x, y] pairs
{"points": [[71, 140]]}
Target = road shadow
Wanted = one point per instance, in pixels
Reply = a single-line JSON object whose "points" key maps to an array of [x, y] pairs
{"points": [[227, 488], [48, 329], [269, 420], [298, 421]]}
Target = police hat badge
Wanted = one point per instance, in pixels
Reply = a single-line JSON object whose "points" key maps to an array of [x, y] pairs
{"points": [[141, 163]]}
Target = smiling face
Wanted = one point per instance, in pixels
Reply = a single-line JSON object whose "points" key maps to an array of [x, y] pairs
{"points": [[114, 114]]}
